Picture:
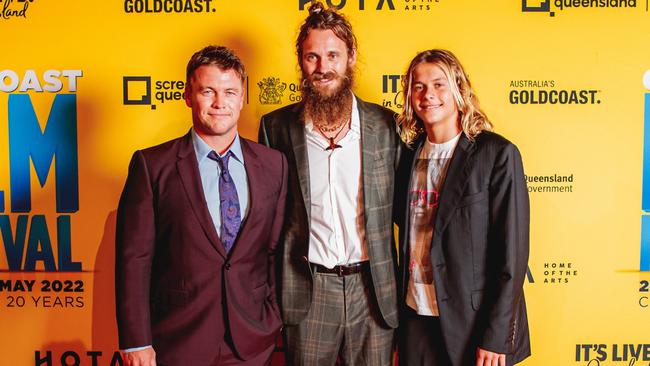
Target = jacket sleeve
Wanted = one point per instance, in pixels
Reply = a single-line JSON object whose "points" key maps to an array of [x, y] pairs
{"points": [[134, 250], [508, 240]]}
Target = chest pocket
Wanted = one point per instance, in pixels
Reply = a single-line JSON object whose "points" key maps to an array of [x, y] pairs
{"points": [[473, 198]]}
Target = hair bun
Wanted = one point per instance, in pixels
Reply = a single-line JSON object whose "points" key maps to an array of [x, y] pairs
{"points": [[316, 7]]}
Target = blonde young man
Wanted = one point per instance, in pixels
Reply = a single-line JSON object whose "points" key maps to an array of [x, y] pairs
{"points": [[464, 226]]}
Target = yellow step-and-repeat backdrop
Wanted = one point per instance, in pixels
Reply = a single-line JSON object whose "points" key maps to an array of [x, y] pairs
{"points": [[84, 84]]}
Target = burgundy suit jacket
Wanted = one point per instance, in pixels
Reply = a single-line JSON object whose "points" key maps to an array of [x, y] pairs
{"points": [[176, 288]]}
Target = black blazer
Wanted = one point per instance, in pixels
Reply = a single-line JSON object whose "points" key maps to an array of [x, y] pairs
{"points": [[479, 248]]}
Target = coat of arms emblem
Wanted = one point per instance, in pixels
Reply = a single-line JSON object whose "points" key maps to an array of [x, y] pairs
{"points": [[271, 90]]}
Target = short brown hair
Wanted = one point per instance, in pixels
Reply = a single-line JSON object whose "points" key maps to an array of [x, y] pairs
{"points": [[321, 18], [220, 56]]}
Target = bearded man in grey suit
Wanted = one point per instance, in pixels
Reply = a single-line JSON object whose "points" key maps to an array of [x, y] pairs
{"points": [[338, 288]]}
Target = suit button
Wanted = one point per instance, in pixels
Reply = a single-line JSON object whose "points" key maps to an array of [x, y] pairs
{"points": [[227, 266]]}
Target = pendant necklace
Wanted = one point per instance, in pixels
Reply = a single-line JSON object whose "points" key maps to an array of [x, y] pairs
{"points": [[332, 144]]}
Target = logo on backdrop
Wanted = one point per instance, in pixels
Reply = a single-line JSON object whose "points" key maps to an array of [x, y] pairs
{"points": [[168, 6], [559, 272], [15, 8], [537, 6], [550, 183], [645, 199], [549, 92], [391, 91], [377, 5], [137, 90], [76, 358], [29, 243], [271, 90], [624, 354]]}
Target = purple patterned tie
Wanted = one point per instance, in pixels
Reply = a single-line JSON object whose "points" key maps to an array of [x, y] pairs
{"points": [[229, 202]]}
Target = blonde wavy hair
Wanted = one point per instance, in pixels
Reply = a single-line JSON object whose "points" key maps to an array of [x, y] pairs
{"points": [[472, 119]]}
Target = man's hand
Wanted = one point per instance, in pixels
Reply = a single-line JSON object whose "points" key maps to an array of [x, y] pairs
{"points": [[487, 358], [143, 357]]}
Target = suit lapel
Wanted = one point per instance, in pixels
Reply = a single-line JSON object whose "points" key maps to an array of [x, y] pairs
{"points": [[454, 184], [188, 170], [405, 252], [299, 145], [407, 207], [368, 156], [256, 183]]}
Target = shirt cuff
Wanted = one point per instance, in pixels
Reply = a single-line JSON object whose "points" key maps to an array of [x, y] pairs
{"points": [[135, 349]]}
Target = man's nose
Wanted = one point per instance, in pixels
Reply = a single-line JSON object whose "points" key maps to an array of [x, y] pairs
{"points": [[428, 94], [217, 100], [322, 66]]}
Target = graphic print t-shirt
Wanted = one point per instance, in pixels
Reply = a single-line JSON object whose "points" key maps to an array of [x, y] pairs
{"points": [[427, 177]]}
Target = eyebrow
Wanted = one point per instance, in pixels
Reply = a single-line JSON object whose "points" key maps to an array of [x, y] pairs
{"points": [[436, 79], [213, 89]]}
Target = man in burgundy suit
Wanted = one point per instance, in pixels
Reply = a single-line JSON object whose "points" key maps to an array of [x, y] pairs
{"points": [[197, 228]]}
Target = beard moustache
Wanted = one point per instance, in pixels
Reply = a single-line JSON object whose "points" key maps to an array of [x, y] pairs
{"points": [[331, 109]]}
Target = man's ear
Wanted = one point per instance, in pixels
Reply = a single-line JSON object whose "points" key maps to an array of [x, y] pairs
{"points": [[186, 95], [352, 60]]}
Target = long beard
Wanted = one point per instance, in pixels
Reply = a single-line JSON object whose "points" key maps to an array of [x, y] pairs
{"points": [[332, 109]]}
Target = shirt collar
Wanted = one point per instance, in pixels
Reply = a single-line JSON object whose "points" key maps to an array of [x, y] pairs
{"points": [[433, 148], [202, 149]]}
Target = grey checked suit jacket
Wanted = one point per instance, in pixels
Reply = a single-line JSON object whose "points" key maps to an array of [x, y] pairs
{"points": [[283, 130]]}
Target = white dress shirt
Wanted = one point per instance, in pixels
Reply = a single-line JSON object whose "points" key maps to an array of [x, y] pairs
{"points": [[337, 231]]}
